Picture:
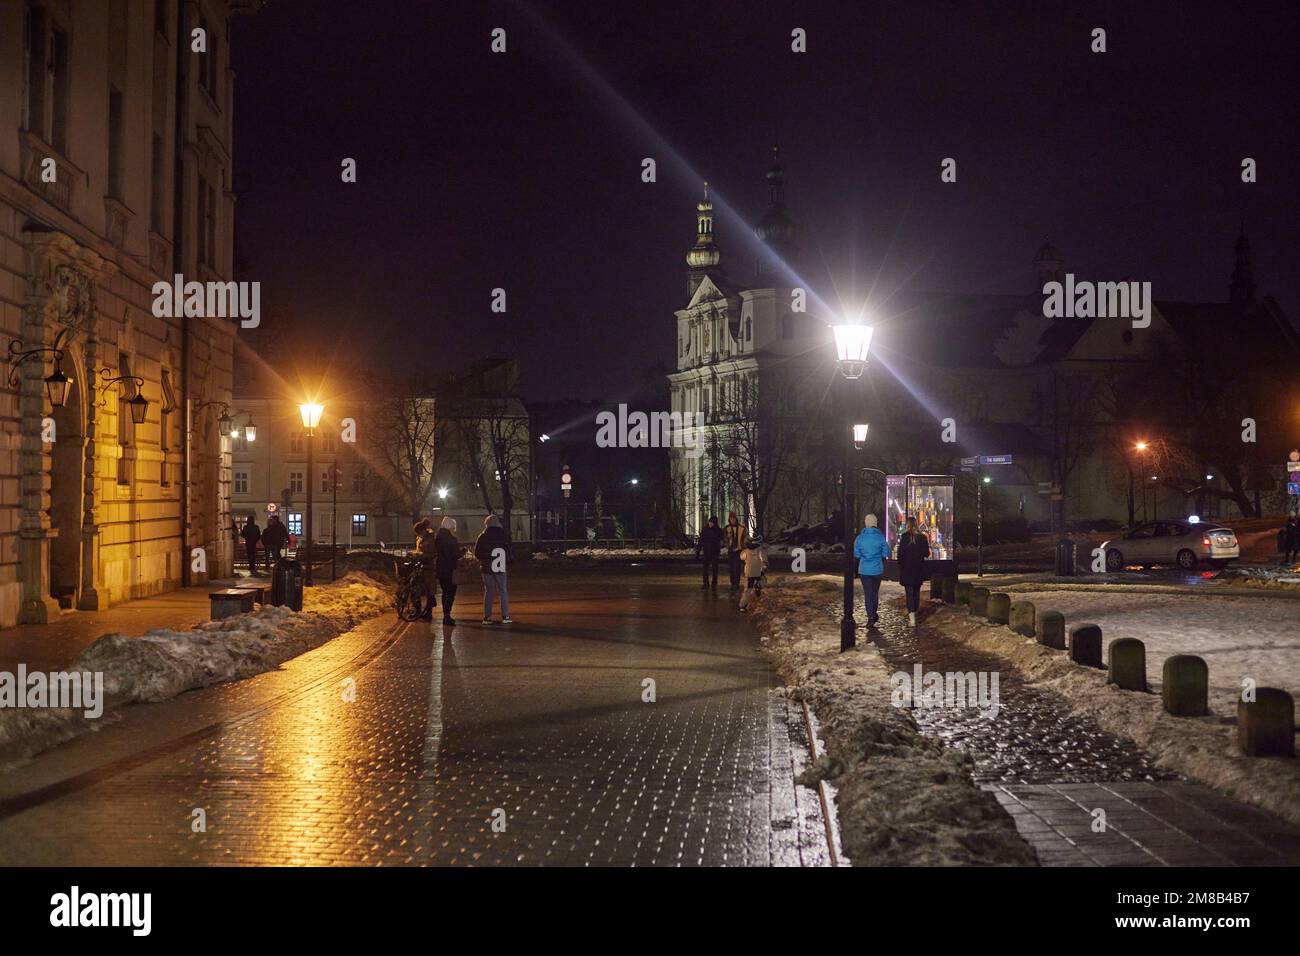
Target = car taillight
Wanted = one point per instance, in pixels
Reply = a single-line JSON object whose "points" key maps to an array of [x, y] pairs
{"points": [[1206, 541]]}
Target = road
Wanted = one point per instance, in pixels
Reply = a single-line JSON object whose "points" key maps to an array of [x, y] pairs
{"points": [[529, 744]]}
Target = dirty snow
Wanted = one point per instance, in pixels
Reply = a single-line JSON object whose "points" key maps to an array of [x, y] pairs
{"points": [[162, 663], [903, 799], [1237, 637]]}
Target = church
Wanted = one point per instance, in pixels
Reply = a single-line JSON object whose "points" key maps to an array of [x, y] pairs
{"points": [[1106, 423]]}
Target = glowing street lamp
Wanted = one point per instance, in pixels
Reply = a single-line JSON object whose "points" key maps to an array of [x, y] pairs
{"points": [[852, 346], [442, 494], [311, 413], [860, 435], [56, 385], [250, 430]]}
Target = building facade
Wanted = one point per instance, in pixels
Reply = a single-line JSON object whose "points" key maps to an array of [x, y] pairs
{"points": [[115, 174]]}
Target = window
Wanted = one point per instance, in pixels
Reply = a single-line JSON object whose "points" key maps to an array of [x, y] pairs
{"points": [[37, 76], [241, 442], [156, 187], [359, 480], [115, 137], [160, 16], [328, 443], [295, 483], [295, 522], [207, 222], [359, 525], [295, 442], [241, 482], [326, 484], [749, 330], [59, 106]]}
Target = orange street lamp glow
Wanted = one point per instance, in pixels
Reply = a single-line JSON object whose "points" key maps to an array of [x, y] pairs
{"points": [[311, 413]]}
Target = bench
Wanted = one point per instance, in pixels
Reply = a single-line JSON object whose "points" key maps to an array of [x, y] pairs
{"points": [[259, 591], [231, 601]]}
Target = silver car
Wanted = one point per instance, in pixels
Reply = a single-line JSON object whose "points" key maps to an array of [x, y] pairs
{"points": [[1181, 542]]}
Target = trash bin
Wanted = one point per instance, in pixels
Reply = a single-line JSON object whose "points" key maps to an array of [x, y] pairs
{"points": [[286, 584], [1064, 558]]}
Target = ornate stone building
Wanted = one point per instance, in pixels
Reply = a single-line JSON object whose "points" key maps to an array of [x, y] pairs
{"points": [[115, 174]]}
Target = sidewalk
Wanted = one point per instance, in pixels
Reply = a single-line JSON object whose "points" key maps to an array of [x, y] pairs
{"points": [[47, 647]]}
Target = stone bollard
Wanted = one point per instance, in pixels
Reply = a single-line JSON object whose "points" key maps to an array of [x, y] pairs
{"points": [[979, 602], [936, 588], [963, 590], [1022, 617], [999, 608], [1266, 726], [1051, 630], [1128, 664], [949, 590], [1085, 645], [1185, 686]]}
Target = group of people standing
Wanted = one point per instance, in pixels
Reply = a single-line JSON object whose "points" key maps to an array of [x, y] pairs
{"points": [[744, 555], [871, 550], [274, 540], [440, 551]]}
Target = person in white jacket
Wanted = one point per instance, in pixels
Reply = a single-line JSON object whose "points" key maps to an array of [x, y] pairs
{"points": [[755, 564]]}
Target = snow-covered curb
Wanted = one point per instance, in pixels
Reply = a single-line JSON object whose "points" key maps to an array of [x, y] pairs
{"points": [[903, 798], [163, 663], [1202, 748]]}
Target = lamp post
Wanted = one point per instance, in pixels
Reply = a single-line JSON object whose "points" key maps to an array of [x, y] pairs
{"points": [[634, 482], [852, 347], [311, 412]]}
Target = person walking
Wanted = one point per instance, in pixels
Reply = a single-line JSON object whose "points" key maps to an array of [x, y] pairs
{"points": [[1292, 542], [870, 549], [493, 551], [736, 537], [251, 534], [755, 562], [274, 538], [913, 549], [448, 549], [709, 548], [426, 550]]}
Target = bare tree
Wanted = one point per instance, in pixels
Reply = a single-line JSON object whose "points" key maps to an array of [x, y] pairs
{"points": [[405, 430]]}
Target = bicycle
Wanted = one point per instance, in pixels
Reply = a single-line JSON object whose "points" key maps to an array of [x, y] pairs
{"points": [[413, 599]]}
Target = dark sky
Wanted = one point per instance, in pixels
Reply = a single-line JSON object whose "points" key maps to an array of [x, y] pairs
{"points": [[478, 170]]}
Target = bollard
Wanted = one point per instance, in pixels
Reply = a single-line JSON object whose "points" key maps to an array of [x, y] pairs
{"points": [[1185, 686], [1022, 617], [1128, 664], [949, 590], [963, 590], [999, 608], [1051, 630], [1085, 645], [1266, 726], [936, 588], [979, 602]]}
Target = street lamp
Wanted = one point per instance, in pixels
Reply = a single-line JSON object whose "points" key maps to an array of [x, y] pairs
{"points": [[442, 494], [852, 348], [634, 483], [310, 412]]}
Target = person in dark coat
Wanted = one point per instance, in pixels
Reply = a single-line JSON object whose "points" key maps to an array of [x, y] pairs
{"points": [[493, 552], [709, 548], [426, 550], [913, 548], [1292, 539], [274, 538], [736, 538], [448, 551], [251, 534]]}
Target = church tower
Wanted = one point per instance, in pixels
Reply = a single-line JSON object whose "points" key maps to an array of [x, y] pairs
{"points": [[704, 258], [1241, 291], [776, 231], [1049, 266]]}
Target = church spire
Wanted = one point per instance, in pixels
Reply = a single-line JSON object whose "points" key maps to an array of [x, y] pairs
{"points": [[1241, 291], [776, 230], [704, 258]]}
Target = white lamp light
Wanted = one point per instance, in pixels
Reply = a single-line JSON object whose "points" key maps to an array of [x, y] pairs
{"points": [[852, 346]]}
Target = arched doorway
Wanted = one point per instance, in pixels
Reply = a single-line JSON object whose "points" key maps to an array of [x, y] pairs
{"points": [[67, 495]]}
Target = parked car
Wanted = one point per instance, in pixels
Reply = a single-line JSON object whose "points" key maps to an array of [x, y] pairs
{"points": [[1182, 542]]}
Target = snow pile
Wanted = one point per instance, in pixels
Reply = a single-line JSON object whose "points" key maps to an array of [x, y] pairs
{"points": [[1265, 576], [1202, 748], [163, 662], [903, 798], [615, 553]]}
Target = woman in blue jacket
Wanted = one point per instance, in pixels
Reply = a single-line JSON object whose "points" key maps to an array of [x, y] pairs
{"points": [[870, 550]]}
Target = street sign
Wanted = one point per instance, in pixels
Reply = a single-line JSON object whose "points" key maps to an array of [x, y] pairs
{"points": [[995, 459], [1293, 466], [970, 461], [1293, 486]]}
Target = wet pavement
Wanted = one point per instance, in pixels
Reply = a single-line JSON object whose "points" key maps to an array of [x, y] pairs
{"points": [[529, 744], [1080, 795]]}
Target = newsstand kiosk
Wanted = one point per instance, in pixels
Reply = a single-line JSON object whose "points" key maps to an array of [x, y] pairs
{"points": [[928, 499]]}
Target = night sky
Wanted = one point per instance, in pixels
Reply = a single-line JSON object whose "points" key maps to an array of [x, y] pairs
{"points": [[523, 170]]}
